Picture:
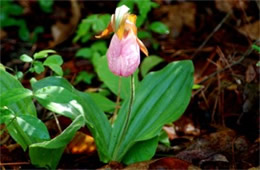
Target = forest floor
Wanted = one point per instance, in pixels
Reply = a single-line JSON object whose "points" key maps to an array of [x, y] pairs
{"points": [[220, 128]]}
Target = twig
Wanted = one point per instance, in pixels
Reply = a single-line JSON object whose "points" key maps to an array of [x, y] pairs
{"points": [[57, 122], [211, 34], [249, 51], [14, 163], [233, 166]]}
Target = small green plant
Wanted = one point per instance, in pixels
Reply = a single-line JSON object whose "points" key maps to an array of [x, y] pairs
{"points": [[53, 61], [9, 10], [46, 5], [90, 26], [160, 98]]}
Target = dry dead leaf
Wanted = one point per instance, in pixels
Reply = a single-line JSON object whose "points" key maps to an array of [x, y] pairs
{"points": [[170, 132], [250, 73], [179, 15], [82, 143], [169, 163], [60, 31], [229, 5], [186, 126], [163, 163], [3, 34], [251, 30], [26, 6]]}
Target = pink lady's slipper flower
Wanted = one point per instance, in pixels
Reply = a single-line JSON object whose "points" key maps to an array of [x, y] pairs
{"points": [[124, 50]]}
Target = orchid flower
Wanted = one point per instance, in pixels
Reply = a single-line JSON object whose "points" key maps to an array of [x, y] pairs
{"points": [[124, 50]]}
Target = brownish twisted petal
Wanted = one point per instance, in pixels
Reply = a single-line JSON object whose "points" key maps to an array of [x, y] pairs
{"points": [[142, 46], [106, 32]]}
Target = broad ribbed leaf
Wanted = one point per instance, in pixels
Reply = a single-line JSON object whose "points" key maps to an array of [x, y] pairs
{"points": [[111, 80], [6, 115], [141, 151], [14, 95], [59, 100], [27, 129], [149, 62], [100, 129], [57, 95], [24, 106], [160, 98], [102, 102], [47, 154], [52, 81]]}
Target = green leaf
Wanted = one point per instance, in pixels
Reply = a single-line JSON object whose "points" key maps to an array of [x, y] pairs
{"points": [[144, 7], [84, 76], [48, 153], [2, 67], [255, 47], [56, 68], [160, 98], [149, 63], [59, 100], [102, 102], [100, 23], [105, 18], [83, 31], [111, 80], [42, 54], [46, 5], [27, 129], [14, 95], [67, 101], [8, 82], [26, 58], [38, 67], [36, 32], [99, 46], [140, 20], [53, 60], [52, 81], [12, 9], [128, 3], [84, 53], [23, 32], [159, 27], [196, 86], [141, 151], [164, 138], [19, 75], [6, 115], [258, 64], [144, 34]]}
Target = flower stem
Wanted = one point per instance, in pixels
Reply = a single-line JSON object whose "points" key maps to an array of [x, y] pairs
{"points": [[132, 95], [128, 117], [113, 118]]}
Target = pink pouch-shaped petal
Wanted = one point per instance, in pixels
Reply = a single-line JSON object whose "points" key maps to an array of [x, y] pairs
{"points": [[123, 55]]}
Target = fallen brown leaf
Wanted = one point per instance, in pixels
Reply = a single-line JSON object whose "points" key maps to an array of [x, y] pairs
{"points": [[60, 31], [251, 30], [163, 163], [250, 73], [82, 143], [229, 5], [179, 15], [3, 34]]}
